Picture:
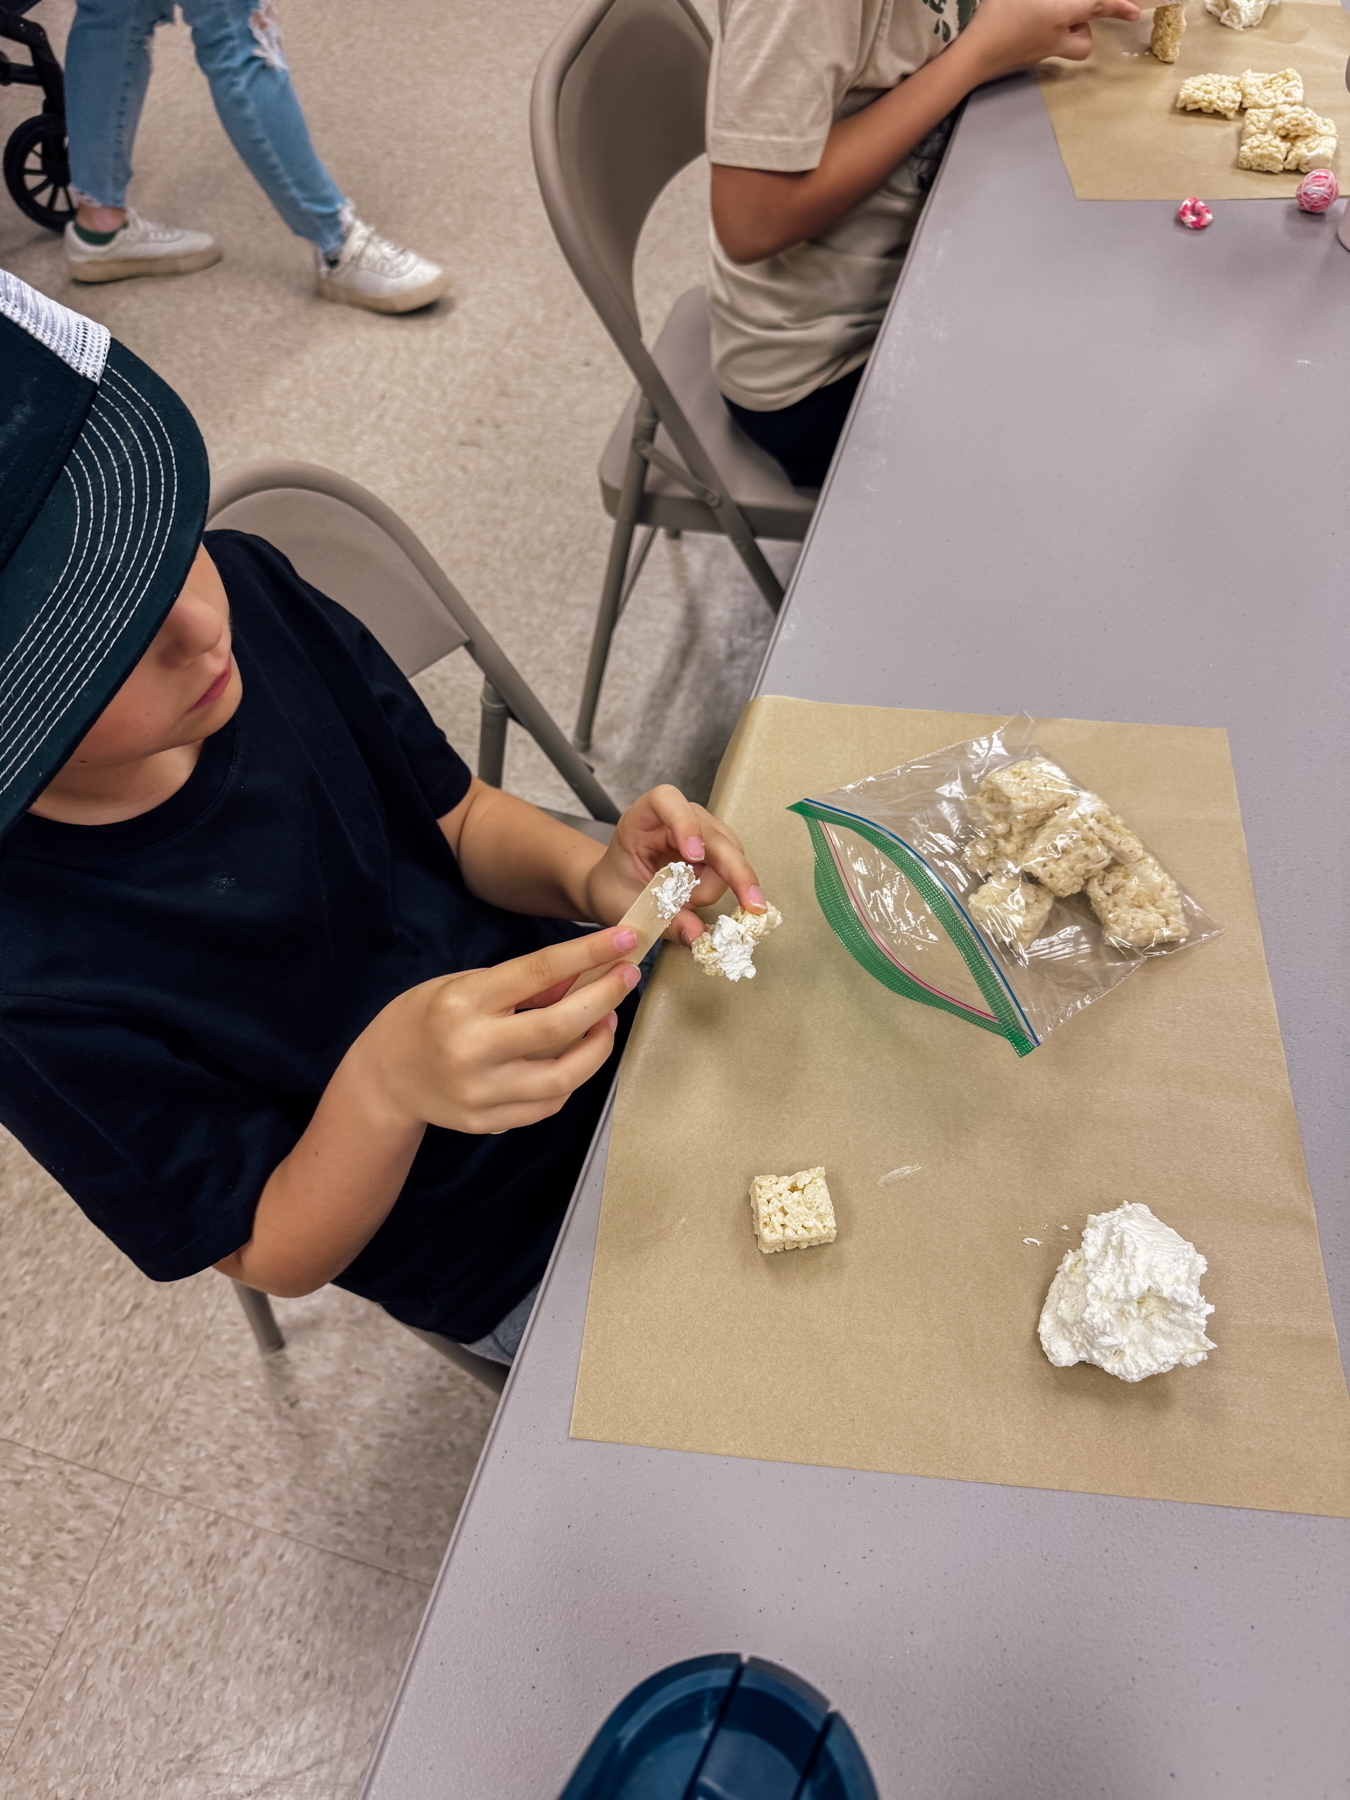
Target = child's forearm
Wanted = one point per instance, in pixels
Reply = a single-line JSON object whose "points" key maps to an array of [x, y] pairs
{"points": [[515, 856], [325, 1201], [760, 212], [465, 1052]]}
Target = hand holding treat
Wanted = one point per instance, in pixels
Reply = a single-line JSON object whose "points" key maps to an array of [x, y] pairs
{"points": [[1004, 35], [666, 857], [663, 827]]}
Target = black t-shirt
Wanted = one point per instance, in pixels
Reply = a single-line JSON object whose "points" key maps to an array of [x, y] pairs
{"points": [[176, 990]]}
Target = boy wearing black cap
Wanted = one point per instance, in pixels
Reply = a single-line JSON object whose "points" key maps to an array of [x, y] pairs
{"points": [[284, 989]]}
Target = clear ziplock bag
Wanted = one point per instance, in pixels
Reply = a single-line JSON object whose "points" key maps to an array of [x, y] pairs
{"points": [[946, 885]]}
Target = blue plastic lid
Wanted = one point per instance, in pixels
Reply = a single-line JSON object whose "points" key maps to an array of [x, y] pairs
{"points": [[723, 1728]]}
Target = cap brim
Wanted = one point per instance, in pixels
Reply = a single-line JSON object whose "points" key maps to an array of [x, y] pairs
{"points": [[96, 573]]}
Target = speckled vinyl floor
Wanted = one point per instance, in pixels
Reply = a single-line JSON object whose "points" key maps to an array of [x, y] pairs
{"points": [[211, 1565]]}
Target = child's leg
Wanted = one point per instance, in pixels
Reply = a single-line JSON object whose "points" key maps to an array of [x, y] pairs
{"points": [[239, 49], [107, 72], [802, 437]]}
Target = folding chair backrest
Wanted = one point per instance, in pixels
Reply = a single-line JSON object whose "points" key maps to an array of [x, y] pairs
{"points": [[347, 556], [617, 112], [352, 547]]}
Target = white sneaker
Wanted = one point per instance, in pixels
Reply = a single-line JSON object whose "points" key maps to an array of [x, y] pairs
{"points": [[140, 247], [382, 277]]}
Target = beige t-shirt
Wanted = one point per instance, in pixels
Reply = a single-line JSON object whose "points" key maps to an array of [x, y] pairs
{"points": [[783, 72]]}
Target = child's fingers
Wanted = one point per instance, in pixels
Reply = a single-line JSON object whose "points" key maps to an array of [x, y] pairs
{"points": [[536, 1090], [547, 998], [511, 984], [682, 819], [547, 1030], [726, 859], [686, 926]]}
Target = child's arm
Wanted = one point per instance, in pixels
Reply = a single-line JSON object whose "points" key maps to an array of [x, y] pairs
{"points": [[517, 857], [454, 1052], [490, 1049], [760, 212]]}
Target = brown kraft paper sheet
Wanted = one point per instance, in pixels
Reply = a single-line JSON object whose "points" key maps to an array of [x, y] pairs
{"points": [[910, 1344], [1116, 120]]}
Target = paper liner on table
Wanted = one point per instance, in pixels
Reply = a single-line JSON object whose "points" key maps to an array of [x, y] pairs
{"points": [[1116, 120], [909, 1345]]}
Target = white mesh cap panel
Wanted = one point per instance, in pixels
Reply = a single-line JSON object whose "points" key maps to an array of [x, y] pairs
{"points": [[79, 342]]}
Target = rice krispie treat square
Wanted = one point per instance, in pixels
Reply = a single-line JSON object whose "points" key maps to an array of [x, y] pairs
{"points": [[1066, 850], [1012, 909], [792, 1212], [1139, 905]]}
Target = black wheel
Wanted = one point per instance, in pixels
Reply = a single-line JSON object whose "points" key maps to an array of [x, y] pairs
{"points": [[37, 171]]}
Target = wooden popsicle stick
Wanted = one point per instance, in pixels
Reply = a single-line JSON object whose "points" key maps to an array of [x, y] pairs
{"points": [[643, 917]]}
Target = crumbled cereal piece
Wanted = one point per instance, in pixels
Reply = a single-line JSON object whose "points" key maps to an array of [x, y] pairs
{"points": [[1271, 90], [1067, 849], [792, 1212], [1138, 906], [1011, 909], [1240, 14], [989, 854], [1113, 831], [728, 948], [1023, 795], [1220, 94], [1308, 153], [1297, 136], [982, 855], [998, 850], [1288, 120], [1169, 26], [1262, 151]]}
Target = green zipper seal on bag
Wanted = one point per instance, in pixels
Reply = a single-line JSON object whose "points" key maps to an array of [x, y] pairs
{"points": [[832, 894]]}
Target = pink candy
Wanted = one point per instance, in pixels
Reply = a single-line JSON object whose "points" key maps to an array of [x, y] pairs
{"points": [[1317, 190], [1194, 214]]}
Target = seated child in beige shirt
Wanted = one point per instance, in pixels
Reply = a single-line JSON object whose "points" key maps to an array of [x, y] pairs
{"points": [[826, 123]]}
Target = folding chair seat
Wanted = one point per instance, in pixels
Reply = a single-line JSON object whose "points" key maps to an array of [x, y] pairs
{"points": [[773, 508], [617, 112], [357, 551]]}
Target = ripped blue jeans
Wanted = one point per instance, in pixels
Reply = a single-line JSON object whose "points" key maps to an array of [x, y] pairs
{"points": [[238, 47]]}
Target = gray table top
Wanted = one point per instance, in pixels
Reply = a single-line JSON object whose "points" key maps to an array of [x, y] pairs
{"points": [[1097, 469]]}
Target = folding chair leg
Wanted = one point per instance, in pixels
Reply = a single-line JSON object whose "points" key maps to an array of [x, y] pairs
{"points": [[258, 1310], [625, 523], [492, 1374], [496, 716], [747, 548]]}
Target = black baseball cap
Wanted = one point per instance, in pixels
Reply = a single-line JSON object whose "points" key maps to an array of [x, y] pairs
{"points": [[104, 483]]}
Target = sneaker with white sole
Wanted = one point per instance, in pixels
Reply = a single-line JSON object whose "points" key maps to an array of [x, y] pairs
{"points": [[369, 271], [139, 247]]}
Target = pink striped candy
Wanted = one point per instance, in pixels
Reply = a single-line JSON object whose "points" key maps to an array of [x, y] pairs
{"points": [[1194, 214], [1317, 190]]}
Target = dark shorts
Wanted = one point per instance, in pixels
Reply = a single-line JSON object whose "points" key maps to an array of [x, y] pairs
{"points": [[802, 436]]}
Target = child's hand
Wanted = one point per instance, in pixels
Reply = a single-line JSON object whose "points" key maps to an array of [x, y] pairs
{"points": [[489, 1050], [1013, 34], [664, 827]]}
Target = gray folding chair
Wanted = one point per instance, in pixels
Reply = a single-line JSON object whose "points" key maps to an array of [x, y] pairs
{"points": [[617, 112], [353, 548]]}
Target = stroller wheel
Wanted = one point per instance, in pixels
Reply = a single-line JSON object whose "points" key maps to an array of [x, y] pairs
{"points": [[37, 172]]}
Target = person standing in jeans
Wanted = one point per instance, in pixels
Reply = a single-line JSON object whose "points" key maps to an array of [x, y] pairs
{"points": [[239, 49]]}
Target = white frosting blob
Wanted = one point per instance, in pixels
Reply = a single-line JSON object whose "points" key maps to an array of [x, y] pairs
{"points": [[672, 888], [1129, 1299], [733, 947], [728, 946]]}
